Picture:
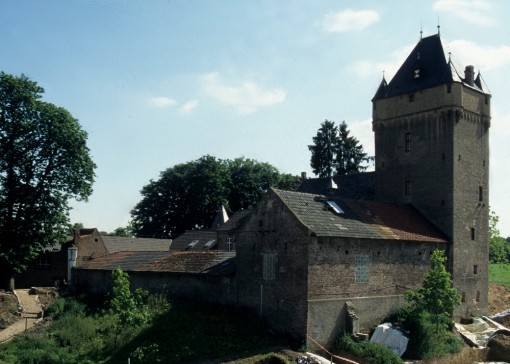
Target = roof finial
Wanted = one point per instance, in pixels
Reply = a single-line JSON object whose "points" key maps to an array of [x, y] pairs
{"points": [[449, 57], [438, 26], [421, 31]]}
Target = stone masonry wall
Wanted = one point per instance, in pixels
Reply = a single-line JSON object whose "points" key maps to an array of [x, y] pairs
{"points": [[215, 289], [275, 289]]}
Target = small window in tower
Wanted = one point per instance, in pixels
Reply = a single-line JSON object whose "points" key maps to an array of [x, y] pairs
{"points": [[442, 203], [408, 187], [486, 100], [473, 233], [443, 156], [449, 88], [460, 157], [480, 193], [408, 143], [477, 296], [411, 98], [463, 297], [475, 269]]}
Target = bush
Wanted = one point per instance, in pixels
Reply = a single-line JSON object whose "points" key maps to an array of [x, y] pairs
{"points": [[66, 305], [377, 354], [430, 335]]}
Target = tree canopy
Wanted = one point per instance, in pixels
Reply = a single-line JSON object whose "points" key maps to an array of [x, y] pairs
{"points": [[499, 247], [437, 295], [336, 152], [187, 196], [44, 162]]}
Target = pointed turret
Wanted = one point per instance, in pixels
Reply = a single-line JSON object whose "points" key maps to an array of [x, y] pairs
{"points": [[220, 219]]}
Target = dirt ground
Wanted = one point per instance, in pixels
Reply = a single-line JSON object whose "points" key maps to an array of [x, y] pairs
{"points": [[8, 309], [499, 299]]}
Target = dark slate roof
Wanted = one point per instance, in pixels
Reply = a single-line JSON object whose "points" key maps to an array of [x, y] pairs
{"points": [[128, 261], [117, 243], [425, 67], [360, 219], [197, 238], [195, 262], [357, 186], [204, 262], [235, 220]]}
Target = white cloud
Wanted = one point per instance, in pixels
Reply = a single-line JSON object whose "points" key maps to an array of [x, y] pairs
{"points": [[189, 106], [349, 20], [246, 97], [483, 58], [473, 11], [162, 102]]}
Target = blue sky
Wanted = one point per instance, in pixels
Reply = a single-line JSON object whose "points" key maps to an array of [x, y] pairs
{"points": [[157, 83]]}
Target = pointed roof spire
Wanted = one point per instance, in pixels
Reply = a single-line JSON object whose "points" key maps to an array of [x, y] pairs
{"points": [[381, 90], [220, 219]]}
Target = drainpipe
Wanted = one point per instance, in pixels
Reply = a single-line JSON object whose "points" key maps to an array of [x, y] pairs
{"points": [[72, 254]]}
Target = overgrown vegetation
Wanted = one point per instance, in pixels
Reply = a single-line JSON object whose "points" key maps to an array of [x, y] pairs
{"points": [[428, 316], [375, 353], [499, 247], [135, 325]]}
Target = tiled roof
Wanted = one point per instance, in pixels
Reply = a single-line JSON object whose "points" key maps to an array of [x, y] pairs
{"points": [[128, 261], [235, 220], [193, 240], [117, 243], [357, 186], [368, 220], [203, 262], [197, 262]]}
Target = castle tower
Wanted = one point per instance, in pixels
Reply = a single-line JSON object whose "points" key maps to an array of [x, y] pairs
{"points": [[431, 129]]}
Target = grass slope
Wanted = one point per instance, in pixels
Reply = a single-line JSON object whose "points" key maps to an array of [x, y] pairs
{"points": [[500, 274]]}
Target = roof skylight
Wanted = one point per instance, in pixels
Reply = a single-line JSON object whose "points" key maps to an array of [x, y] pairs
{"points": [[333, 205]]}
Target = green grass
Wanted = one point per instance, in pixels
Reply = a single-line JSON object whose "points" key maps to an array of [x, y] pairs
{"points": [[499, 274]]}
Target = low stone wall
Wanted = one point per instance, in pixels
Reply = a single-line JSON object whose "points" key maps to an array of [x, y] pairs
{"points": [[327, 318], [207, 288]]}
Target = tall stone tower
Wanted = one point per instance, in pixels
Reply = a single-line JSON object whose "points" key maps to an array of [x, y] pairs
{"points": [[431, 129]]}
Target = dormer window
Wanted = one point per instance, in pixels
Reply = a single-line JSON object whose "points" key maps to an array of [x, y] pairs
{"points": [[417, 73]]}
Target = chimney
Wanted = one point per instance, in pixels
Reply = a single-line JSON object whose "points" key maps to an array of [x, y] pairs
{"points": [[303, 175], [469, 75]]}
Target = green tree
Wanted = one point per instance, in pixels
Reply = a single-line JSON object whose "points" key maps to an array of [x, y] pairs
{"points": [[499, 248], [44, 162], [437, 295], [336, 152], [349, 153], [324, 149], [188, 196], [128, 308]]}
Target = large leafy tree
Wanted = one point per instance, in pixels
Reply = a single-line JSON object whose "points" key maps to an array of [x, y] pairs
{"points": [[336, 152], [188, 196], [44, 162]]}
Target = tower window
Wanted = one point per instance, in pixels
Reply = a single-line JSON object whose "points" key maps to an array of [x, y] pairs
{"points": [[480, 193], [407, 147], [473, 233], [486, 100], [411, 98], [477, 296], [449, 88], [463, 297], [475, 269], [408, 187], [442, 203]]}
